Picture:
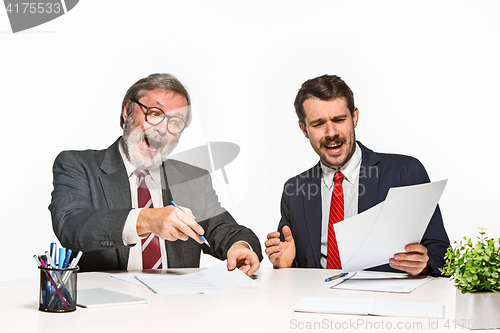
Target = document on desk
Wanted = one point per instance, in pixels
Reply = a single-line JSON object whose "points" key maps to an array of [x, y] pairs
{"points": [[216, 279], [370, 306], [374, 236], [381, 281]]}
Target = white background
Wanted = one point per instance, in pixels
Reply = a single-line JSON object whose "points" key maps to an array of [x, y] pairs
{"points": [[424, 75]]}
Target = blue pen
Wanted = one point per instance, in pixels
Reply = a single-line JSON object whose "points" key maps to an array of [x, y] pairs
{"points": [[338, 276], [202, 238], [68, 255], [53, 252]]}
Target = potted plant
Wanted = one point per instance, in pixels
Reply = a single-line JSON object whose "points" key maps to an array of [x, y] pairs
{"points": [[475, 270]]}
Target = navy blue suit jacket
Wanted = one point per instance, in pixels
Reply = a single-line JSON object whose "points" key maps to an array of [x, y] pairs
{"points": [[301, 205]]}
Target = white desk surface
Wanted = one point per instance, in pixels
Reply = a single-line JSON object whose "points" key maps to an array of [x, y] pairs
{"points": [[270, 311]]}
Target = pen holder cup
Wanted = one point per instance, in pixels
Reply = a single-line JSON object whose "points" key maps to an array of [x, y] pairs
{"points": [[58, 289]]}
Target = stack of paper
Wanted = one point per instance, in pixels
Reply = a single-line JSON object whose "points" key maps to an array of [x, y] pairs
{"points": [[379, 281]]}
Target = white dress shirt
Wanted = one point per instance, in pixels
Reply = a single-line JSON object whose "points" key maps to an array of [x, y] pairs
{"points": [[350, 186], [130, 237]]}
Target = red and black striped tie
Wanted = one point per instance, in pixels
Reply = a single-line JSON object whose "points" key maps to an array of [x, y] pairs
{"points": [[151, 254]]}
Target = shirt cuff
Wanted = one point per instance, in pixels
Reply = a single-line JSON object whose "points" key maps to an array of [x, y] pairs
{"points": [[129, 235]]}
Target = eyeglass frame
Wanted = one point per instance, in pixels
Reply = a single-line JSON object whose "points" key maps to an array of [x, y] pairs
{"points": [[164, 116]]}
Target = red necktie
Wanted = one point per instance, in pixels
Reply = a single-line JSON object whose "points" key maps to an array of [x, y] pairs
{"points": [[336, 215], [151, 254]]}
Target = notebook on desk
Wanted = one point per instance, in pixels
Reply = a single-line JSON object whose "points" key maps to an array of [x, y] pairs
{"points": [[103, 297]]}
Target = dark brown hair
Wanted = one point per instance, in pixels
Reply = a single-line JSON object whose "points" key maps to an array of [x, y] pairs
{"points": [[326, 88]]}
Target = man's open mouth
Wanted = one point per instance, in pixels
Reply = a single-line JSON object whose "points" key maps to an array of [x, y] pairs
{"points": [[333, 147], [151, 144]]}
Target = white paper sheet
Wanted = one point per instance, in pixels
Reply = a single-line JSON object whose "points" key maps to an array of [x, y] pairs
{"points": [[370, 306], [368, 275], [129, 277], [373, 237], [216, 279], [383, 282]]}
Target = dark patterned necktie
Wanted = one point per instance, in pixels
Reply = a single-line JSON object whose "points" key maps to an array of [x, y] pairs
{"points": [[151, 254]]}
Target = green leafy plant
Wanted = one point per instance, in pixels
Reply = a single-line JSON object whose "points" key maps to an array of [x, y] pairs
{"points": [[474, 268]]}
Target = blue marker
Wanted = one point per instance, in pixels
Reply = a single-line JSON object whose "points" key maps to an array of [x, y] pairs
{"points": [[62, 257], [202, 238], [53, 252], [68, 255], [338, 276]]}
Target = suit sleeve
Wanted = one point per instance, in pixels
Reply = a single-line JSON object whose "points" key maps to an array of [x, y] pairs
{"points": [[80, 217], [221, 230], [285, 214]]}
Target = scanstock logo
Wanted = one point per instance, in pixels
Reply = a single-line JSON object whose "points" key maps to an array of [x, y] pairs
{"points": [[25, 14]]}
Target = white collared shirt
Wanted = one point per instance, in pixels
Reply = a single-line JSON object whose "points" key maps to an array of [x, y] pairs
{"points": [[153, 182], [350, 186]]}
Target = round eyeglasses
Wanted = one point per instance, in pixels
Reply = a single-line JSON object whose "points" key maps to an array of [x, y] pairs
{"points": [[155, 116]]}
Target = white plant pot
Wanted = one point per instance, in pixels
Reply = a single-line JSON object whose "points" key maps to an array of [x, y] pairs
{"points": [[477, 310]]}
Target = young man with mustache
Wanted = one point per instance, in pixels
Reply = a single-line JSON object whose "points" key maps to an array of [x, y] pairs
{"points": [[348, 180], [115, 204]]}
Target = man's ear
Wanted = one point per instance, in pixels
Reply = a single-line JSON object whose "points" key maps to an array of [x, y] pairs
{"points": [[355, 117], [125, 112], [303, 129]]}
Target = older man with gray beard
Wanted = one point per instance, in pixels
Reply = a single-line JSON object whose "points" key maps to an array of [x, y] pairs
{"points": [[115, 204]]}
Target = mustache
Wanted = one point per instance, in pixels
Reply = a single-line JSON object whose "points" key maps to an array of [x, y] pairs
{"points": [[336, 140], [132, 129], [153, 136]]}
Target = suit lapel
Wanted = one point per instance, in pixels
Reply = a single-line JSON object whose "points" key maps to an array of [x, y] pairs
{"points": [[114, 181], [116, 188], [174, 185], [313, 211], [369, 177]]}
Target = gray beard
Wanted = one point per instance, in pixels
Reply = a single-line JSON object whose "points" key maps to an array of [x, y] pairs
{"points": [[132, 139]]}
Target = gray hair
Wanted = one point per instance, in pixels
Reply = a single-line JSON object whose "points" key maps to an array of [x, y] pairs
{"points": [[161, 81]]}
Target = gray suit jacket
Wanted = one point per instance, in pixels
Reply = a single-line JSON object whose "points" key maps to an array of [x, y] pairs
{"points": [[91, 201]]}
